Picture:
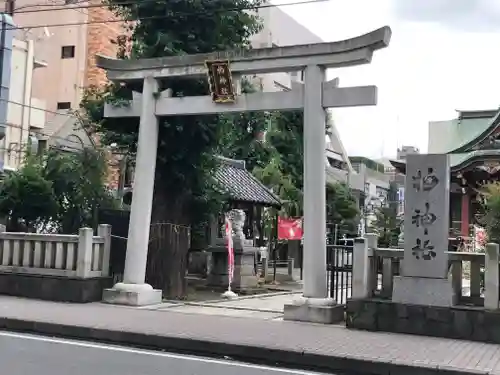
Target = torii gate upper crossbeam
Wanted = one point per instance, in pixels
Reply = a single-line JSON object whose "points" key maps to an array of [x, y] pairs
{"points": [[349, 52]]}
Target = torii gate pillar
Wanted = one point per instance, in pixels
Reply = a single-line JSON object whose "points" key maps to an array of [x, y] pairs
{"points": [[313, 97]]}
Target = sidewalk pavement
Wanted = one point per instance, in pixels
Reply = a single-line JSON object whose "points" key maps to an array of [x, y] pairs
{"points": [[331, 349]]}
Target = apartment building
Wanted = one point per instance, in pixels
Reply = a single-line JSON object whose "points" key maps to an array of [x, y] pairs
{"points": [[67, 50], [65, 41], [22, 112]]}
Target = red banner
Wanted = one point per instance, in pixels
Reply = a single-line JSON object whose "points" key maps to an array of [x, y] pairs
{"points": [[290, 228]]}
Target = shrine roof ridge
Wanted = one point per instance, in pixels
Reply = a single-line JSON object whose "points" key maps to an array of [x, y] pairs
{"points": [[371, 41], [458, 161], [240, 185], [232, 162]]}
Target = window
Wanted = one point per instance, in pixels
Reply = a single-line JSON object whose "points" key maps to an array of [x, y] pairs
{"points": [[67, 52], [63, 105]]}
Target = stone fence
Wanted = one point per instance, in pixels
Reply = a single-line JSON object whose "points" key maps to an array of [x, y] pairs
{"points": [[374, 269], [82, 256]]}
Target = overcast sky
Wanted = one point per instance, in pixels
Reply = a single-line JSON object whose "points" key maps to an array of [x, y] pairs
{"points": [[444, 55]]}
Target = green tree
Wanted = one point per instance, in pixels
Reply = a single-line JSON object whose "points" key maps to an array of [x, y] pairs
{"points": [[26, 198], [490, 214], [287, 137], [184, 191], [342, 208], [386, 223], [78, 185], [59, 192]]}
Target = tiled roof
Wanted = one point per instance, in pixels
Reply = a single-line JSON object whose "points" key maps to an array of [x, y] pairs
{"points": [[240, 185]]}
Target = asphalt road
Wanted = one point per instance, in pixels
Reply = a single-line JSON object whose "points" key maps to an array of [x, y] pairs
{"points": [[36, 355]]}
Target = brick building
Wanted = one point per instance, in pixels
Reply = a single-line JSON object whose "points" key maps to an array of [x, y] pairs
{"points": [[67, 35]]}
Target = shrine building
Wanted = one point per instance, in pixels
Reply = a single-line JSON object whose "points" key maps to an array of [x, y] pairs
{"points": [[473, 142]]}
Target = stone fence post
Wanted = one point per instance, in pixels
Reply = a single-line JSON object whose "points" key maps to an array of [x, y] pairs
{"points": [[84, 256], [491, 275], [104, 230], [360, 269], [372, 244], [291, 267]]}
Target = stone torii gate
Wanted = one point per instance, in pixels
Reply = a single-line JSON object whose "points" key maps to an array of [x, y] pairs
{"points": [[314, 96]]}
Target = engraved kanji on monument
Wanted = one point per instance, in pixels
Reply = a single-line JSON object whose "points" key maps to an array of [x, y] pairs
{"points": [[426, 216]]}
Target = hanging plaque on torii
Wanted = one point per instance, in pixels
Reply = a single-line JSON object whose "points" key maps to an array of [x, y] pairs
{"points": [[220, 81]]}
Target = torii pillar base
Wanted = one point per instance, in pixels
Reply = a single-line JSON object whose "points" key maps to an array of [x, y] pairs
{"points": [[314, 310], [132, 295]]}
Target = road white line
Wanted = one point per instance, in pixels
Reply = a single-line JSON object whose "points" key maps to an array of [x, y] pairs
{"points": [[151, 353]]}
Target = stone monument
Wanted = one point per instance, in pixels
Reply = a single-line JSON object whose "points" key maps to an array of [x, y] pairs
{"points": [[244, 278], [424, 279]]}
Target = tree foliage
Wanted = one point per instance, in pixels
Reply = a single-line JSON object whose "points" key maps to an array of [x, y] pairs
{"points": [[26, 199], [491, 215], [342, 208], [58, 192], [386, 223], [78, 185]]}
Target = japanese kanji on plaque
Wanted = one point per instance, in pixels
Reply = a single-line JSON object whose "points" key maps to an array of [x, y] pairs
{"points": [[220, 81]]}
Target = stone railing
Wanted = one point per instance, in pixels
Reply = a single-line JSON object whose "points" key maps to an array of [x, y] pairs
{"points": [[73, 256], [374, 269]]}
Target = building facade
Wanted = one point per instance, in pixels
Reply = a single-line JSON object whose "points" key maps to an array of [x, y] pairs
{"points": [[25, 112], [407, 150], [68, 50]]}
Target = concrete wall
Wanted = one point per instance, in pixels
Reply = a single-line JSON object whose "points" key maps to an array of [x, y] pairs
{"points": [[439, 133], [24, 111]]}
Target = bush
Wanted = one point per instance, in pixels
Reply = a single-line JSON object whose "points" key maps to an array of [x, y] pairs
{"points": [[490, 194]]}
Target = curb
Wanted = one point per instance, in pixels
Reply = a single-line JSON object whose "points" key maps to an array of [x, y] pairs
{"points": [[246, 353]]}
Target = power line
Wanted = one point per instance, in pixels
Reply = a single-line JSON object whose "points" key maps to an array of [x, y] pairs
{"points": [[70, 115], [170, 15], [15, 126], [39, 108]]}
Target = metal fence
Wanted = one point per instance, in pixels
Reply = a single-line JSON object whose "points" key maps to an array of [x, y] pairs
{"points": [[339, 267]]}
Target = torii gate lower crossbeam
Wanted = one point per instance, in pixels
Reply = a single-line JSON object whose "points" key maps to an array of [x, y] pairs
{"points": [[314, 96]]}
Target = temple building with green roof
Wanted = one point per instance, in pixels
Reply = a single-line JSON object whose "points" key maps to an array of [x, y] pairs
{"points": [[473, 142]]}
